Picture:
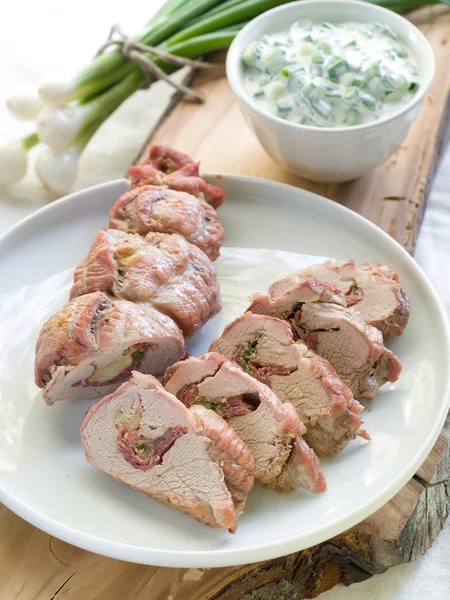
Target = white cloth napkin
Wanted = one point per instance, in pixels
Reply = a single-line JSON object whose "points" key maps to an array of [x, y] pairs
{"points": [[55, 38]]}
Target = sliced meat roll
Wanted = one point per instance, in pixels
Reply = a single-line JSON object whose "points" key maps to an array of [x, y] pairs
{"points": [[176, 277], [354, 348], [264, 347], [89, 347], [176, 170], [189, 459], [373, 291], [167, 159], [302, 470], [268, 427], [152, 208]]}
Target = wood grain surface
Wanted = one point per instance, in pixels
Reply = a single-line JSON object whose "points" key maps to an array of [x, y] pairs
{"points": [[36, 566]]}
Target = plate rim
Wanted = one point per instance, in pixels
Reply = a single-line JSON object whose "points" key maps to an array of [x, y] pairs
{"points": [[230, 557]]}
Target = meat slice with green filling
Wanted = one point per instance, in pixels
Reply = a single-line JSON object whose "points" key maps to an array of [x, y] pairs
{"points": [[90, 346], [264, 347], [158, 208], [163, 269], [189, 459], [372, 291], [269, 428], [318, 316]]}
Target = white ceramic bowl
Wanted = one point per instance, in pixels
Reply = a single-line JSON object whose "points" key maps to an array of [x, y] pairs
{"points": [[324, 153]]}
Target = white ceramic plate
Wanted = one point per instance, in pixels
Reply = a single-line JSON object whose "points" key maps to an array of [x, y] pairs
{"points": [[43, 475]]}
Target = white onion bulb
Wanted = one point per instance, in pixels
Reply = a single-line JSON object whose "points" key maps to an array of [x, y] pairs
{"points": [[57, 126], [25, 103], [57, 92], [58, 171]]}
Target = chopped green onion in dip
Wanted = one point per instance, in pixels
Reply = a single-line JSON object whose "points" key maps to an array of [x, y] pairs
{"points": [[331, 75]]}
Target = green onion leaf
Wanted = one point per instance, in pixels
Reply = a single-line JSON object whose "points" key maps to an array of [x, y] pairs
{"points": [[351, 95], [372, 71], [358, 82], [322, 107], [353, 117], [368, 101], [338, 68], [332, 92], [401, 53]]}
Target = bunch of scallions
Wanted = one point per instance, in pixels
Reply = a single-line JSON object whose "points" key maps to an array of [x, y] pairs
{"points": [[68, 113]]}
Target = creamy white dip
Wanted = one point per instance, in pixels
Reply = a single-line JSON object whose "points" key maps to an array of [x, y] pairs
{"points": [[331, 75]]}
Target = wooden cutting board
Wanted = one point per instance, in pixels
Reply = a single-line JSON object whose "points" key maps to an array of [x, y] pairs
{"points": [[36, 566]]}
